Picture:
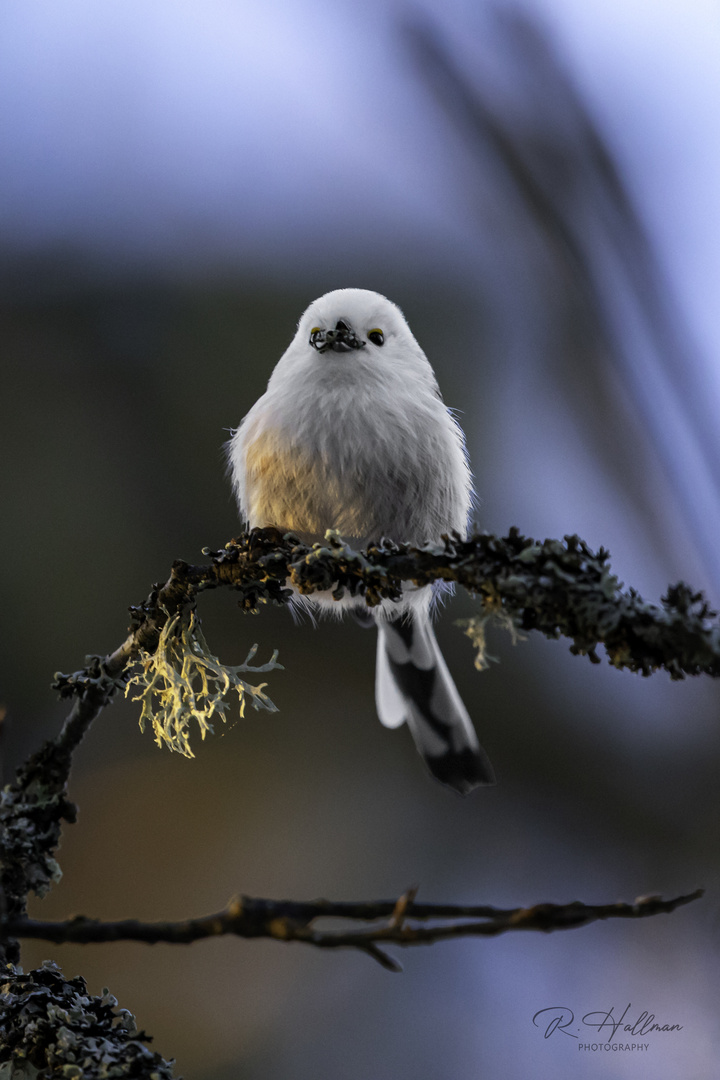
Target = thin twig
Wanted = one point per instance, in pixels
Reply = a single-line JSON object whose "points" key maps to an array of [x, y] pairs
{"points": [[401, 922]]}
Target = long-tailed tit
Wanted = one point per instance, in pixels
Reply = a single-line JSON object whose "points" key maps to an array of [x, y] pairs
{"points": [[352, 434]]}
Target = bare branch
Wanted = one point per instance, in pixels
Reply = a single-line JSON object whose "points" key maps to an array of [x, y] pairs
{"points": [[401, 922]]}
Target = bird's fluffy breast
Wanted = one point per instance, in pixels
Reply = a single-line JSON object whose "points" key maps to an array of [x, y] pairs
{"points": [[366, 459]]}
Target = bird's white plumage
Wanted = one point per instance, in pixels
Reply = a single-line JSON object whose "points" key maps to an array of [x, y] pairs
{"points": [[356, 437], [358, 441]]}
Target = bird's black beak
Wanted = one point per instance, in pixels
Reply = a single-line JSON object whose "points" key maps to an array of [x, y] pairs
{"points": [[342, 339]]}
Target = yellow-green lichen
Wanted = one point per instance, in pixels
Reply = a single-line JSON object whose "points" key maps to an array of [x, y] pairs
{"points": [[183, 681], [475, 629]]}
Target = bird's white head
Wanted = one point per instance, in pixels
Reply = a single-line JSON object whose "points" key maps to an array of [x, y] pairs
{"points": [[349, 336], [352, 319]]}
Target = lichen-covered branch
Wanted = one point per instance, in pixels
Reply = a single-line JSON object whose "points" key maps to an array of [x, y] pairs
{"points": [[559, 588], [402, 922], [34, 806], [51, 1026]]}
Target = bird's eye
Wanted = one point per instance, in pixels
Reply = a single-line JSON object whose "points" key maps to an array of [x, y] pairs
{"points": [[376, 336], [314, 335]]}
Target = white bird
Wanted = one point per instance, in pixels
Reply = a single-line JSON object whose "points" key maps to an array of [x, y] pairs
{"points": [[352, 434]]}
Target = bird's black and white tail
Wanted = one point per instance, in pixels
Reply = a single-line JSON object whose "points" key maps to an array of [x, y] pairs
{"points": [[413, 685]]}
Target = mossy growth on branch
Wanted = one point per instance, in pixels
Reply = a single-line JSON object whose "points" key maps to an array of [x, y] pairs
{"points": [[51, 1026], [183, 681]]}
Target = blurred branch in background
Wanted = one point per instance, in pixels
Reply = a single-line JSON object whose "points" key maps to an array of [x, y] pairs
{"points": [[564, 176], [289, 920]]}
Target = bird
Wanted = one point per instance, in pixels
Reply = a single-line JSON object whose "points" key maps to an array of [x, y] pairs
{"points": [[352, 434]]}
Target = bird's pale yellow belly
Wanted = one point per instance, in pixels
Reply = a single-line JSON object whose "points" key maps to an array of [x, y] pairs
{"points": [[305, 495]]}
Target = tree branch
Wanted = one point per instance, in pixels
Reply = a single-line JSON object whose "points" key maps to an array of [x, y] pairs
{"points": [[53, 1026], [33, 808], [559, 588], [404, 922]]}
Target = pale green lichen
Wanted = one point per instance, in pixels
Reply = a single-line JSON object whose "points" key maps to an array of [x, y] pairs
{"points": [[183, 681], [51, 1027], [475, 628]]}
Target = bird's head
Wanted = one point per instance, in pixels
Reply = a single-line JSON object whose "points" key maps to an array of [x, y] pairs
{"points": [[348, 320]]}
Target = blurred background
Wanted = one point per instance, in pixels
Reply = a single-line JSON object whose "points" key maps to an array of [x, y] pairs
{"points": [[536, 186]]}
